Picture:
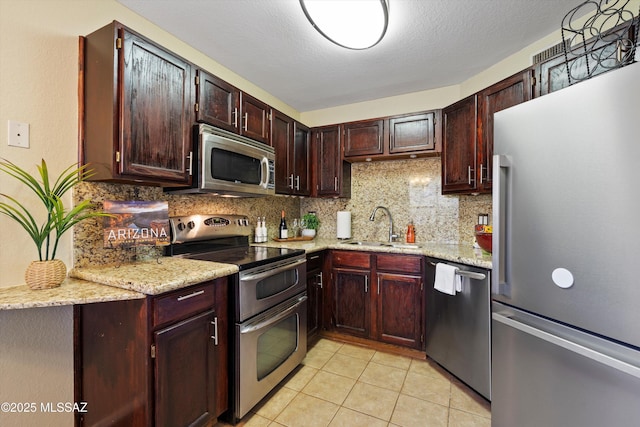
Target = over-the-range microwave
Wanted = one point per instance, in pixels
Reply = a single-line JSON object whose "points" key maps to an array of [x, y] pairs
{"points": [[227, 164]]}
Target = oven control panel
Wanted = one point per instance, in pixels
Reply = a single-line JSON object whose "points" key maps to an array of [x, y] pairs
{"points": [[204, 227]]}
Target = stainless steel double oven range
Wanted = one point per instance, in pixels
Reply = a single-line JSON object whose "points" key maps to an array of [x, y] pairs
{"points": [[267, 302]]}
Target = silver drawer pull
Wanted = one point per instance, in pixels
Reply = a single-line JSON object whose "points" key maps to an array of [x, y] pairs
{"points": [[195, 294]]}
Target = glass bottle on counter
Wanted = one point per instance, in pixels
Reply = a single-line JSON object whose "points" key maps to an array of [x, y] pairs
{"points": [[284, 233], [411, 233]]}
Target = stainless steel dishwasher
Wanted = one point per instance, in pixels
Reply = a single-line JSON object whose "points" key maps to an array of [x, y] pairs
{"points": [[458, 327]]}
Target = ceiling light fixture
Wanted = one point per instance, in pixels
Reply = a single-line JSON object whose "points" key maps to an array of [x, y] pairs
{"points": [[354, 24]]}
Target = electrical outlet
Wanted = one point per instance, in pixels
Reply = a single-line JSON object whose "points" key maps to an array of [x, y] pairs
{"points": [[18, 134]]}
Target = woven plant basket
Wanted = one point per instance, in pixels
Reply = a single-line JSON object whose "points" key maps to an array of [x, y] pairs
{"points": [[45, 274]]}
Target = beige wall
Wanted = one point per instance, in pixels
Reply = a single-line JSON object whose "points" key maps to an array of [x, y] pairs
{"points": [[38, 85]]}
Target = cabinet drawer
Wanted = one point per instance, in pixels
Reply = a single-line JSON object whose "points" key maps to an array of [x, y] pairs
{"points": [[182, 303], [314, 261], [351, 259], [400, 263]]}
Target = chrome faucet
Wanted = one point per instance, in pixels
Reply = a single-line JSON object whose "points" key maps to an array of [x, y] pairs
{"points": [[373, 216]]}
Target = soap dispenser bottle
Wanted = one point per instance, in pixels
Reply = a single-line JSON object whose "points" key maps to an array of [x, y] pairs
{"points": [[411, 233]]}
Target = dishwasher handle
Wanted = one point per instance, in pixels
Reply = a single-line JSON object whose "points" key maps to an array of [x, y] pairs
{"points": [[465, 273]]}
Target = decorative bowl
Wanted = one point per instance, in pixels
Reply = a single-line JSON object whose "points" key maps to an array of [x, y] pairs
{"points": [[484, 240]]}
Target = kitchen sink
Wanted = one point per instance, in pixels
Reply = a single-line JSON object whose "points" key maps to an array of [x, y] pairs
{"points": [[404, 245], [375, 243], [365, 243]]}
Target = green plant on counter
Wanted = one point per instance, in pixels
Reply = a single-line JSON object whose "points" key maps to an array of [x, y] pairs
{"points": [[58, 219], [311, 221]]}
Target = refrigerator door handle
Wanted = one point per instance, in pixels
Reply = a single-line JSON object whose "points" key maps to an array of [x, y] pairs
{"points": [[500, 282], [567, 344]]}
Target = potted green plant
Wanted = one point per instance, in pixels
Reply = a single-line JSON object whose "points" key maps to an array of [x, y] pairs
{"points": [[310, 224], [47, 271]]}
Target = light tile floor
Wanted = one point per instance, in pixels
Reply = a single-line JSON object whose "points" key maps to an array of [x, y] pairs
{"points": [[347, 385]]}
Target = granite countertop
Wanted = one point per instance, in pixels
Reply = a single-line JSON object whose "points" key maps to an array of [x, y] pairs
{"points": [[71, 291], [156, 276], [112, 283], [139, 279], [463, 254]]}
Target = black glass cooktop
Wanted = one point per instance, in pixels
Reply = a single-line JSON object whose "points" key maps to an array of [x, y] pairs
{"points": [[247, 257], [229, 252]]}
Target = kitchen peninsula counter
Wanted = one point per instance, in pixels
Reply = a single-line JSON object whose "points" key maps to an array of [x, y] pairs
{"points": [[464, 254], [114, 283]]}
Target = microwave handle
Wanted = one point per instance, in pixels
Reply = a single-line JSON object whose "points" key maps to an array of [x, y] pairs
{"points": [[264, 182]]}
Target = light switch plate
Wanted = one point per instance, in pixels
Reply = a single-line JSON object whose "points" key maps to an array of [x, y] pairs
{"points": [[18, 134]]}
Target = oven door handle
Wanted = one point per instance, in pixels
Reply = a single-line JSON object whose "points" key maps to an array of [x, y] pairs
{"points": [[251, 327], [274, 271]]}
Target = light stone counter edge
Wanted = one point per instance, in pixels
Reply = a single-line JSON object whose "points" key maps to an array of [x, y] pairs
{"points": [[116, 283]]}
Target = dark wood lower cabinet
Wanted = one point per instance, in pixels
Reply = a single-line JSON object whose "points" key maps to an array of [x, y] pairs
{"points": [[351, 301], [378, 296], [185, 373], [157, 361]]}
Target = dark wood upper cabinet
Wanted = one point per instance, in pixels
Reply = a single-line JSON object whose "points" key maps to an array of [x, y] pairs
{"points": [[217, 102], [363, 138], [292, 143], [459, 153], [468, 134], [396, 137], [332, 175], [511, 91], [413, 133], [254, 118], [137, 106]]}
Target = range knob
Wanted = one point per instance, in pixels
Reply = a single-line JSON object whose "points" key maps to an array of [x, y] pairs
{"points": [[180, 226], [191, 225]]}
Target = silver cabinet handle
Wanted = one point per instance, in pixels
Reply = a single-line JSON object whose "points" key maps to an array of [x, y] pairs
{"points": [[482, 169], [366, 284], [195, 294], [246, 121], [291, 181], [190, 157], [469, 171], [319, 275], [297, 182], [214, 337], [572, 346], [335, 183], [235, 118], [378, 285]]}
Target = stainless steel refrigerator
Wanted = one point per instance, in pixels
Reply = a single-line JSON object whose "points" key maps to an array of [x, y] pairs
{"points": [[566, 260]]}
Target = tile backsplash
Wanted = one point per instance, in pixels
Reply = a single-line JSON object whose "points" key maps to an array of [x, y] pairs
{"points": [[410, 189]]}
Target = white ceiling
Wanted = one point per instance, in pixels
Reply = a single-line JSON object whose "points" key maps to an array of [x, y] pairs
{"points": [[429, 44]]}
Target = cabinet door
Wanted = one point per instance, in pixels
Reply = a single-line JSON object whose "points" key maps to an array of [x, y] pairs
{"points": [[363, 138], [413, 133], [156, 105], [351, 301], [217, 102], [255, 118], [185, 372], [399, 309], [281, 140], [314, 294], [459, 146], [301, 159], [328, 161], [507, 93]]}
